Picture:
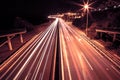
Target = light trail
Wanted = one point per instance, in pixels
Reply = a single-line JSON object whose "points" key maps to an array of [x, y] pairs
{"points": [[49, 41], [92, 64], [71, 51], [17, 53], [28, 51], [27, 61], [61, 52], [79, 58], [38, 48], [42, 55], [66, 59], [46, 61]]}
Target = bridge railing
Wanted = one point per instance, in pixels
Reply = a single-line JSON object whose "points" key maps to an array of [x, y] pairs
{"points": [[10, 36], [108, 32]]}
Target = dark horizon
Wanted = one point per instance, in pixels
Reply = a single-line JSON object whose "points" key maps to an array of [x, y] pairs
{"points": [[36, 11]]}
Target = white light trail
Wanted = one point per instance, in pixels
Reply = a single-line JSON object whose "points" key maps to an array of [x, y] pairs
{"points": [[27, 61]]}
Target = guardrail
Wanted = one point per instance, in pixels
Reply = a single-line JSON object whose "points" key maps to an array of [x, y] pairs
{"points": [[109, 32], [10, 36]]}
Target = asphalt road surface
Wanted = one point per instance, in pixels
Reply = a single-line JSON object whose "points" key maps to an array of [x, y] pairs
{"points": [[78, 60], [35, 61]]}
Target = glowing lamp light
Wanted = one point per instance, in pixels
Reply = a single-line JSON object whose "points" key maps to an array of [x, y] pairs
{"points": [[86, 6]]}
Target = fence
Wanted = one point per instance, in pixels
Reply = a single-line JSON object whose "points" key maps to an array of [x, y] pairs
{"points": [[10, 36]]}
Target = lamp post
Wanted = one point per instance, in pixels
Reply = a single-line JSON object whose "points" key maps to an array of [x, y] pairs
{"points": [[86, 8]]}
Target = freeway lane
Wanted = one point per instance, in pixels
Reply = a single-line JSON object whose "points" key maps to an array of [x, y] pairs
{"points": [[35, 61], [79, 60]]}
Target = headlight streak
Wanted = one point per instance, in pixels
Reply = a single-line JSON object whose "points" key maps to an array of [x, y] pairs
{"points": [[38, 41], [35, 43], [71, 42], [115, 61], [53, 35], [105, 61], [40, 51], [61, 52], [16, 54], [86, 42], [24, 53], [65, 32], [97, 62], [27, 61], [65, 57], [79, 60], [41, 59], [74, 51], [77, 32], [51, 43], [108, 56], [45, 49]]}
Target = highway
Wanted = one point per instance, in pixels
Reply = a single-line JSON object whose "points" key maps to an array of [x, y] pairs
{"points": [[81, 61], [63, 46], [36, 62]]}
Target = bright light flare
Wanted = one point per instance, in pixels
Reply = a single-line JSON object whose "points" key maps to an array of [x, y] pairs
{"points": [[86, 6]]}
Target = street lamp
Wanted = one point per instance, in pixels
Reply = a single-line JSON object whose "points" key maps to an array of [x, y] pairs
{"points": [[86, 9], [86, 6]]}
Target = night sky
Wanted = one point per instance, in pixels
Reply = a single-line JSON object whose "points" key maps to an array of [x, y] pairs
{"points": [[33, 9], [37, 7]]}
